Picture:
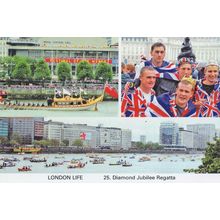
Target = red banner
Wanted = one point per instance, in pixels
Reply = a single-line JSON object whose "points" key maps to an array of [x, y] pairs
{"points": [[76, 60]]}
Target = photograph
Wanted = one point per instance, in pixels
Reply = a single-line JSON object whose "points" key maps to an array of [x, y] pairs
{"points": [[170, 77], [100, 146], [59, 76]]}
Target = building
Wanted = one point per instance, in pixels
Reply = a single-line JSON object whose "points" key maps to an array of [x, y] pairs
{"points": [[73, 132], [4, 127], [109, 137], [185, 138], [125, 138], [143, 139], [68, 49], [24, 127], [204, 48], [38, 130], [169, 134], [202, 133], [53, 130], [91, 136]]}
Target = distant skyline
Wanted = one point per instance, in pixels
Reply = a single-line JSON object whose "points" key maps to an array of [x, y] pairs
{"points": [[139, 126]]}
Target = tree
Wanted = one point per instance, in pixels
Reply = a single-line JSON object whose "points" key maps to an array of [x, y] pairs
{"points": [[211, 161], [3, 141], [65, 142], [104, 72], [54, 143], [42, 71], [22, 71], [63, 71], [16, 139], [84, 71], [78, 143]]}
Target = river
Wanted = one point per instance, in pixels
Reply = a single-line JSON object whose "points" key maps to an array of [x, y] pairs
{"points": [[159, 163]]}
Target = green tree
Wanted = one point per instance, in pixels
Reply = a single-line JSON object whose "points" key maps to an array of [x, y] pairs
{"points": [[84, 71], [3, 141], [78, 143], [104, 72], [65, 142], [16, 139], [139, 144], [22, 71], [211, 161], [54, 143], [42, 71], [63, 71]]}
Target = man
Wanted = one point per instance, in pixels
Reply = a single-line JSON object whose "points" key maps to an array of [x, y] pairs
{"points": [[178, 104], [135, 103], [208, 92], [166, 71], [184, 68]]}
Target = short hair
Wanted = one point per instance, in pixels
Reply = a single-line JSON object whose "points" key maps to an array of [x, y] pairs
{"points": [[148, 68], [157, 44], [211, 63], [130, 67], [188, 81]]}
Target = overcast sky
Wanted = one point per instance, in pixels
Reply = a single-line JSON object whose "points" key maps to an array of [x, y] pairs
{"points": [[139, 126]]}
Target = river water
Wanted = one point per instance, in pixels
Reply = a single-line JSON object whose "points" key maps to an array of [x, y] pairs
{"points": [[159, 163], [105, 109]]}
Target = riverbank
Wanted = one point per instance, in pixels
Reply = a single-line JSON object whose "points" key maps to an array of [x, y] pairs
{"points": [[80, 150]]}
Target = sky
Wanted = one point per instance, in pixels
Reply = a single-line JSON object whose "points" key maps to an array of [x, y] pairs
{"points": [[139, 126]]}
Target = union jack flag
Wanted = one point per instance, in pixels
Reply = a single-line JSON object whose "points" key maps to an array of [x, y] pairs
{"points": [[165, 106], [134, 104], [211, 106], [166, 71]]}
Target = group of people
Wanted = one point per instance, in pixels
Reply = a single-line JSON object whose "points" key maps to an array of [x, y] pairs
{"points": [[163, 89]]}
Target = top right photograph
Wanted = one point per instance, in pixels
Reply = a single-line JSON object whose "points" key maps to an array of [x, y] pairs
{"points": [[170, 77]]}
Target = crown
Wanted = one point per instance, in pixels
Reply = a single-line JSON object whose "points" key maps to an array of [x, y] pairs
{"points": [[189, 80]]}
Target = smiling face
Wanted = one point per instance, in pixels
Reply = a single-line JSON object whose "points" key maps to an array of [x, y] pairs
{"points": [[183, 94], [185, 70], [148, 79], [211, 74], [158, 54]]}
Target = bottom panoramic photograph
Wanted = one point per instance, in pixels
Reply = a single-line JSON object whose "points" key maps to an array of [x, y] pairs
{"points": [[102, 146]]}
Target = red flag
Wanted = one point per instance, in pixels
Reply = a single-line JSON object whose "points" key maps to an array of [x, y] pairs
{"points": [[83, 136], [111, 91]]}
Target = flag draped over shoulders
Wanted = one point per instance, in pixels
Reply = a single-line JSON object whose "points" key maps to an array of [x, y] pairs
{"points": [[134, 104], [211, 105], [166, 71], [165, 106]]}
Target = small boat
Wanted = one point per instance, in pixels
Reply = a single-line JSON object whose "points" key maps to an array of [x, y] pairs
{"points": [[54, 164], [97, 161], [8, 164], [116, 163], [126, 164], [77, 165], [24, 168], [144, 158], [38, 160]]}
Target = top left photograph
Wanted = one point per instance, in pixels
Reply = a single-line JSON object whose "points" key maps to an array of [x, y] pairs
{"points": [[59, 76]]}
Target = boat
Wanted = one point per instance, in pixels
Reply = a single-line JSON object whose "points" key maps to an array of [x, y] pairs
{"points": [[54, 164], [24, 168], [77, 165], [27, 149], [64, 103], [8, 164], [116, 163], [97, 161], [126, 164], [144, 158], [38, 160]]}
